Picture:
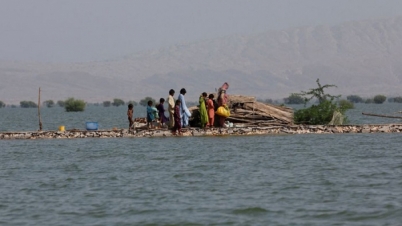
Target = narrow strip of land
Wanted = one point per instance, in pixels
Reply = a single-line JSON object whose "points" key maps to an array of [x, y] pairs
{"points": [[233, 131]]}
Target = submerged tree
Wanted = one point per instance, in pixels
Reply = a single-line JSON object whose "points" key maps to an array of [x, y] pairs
{"points": [[397, 99], [72, 104], [107, 103], [346, 104], [379, 99], [117, 102], [48, 103], [28, 104], [355, 99], [61, 103], [369, 101], [326, 111], [318, 93]]}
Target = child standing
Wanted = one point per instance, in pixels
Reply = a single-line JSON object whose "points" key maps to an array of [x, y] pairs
{"points": [[211, 110], [130, 113], [177, 119], [161, 112], [150, 114]]}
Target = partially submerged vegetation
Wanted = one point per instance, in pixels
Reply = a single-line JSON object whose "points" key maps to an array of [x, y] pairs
{"points": [[28, 104], [48, 103], [327, 111], [72, 104]]}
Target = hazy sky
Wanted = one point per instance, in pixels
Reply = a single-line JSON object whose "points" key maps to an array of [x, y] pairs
{"points": [[89, 30]]}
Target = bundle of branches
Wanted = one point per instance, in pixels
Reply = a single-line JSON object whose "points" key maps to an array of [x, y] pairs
{"points": [[246, 110]]}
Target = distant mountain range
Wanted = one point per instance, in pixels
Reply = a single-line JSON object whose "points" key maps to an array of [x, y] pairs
{"points": [[360, 57]]}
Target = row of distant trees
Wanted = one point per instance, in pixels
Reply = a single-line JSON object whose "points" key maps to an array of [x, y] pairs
{"points": [[72, 104], [291, 99], [377, 99]]}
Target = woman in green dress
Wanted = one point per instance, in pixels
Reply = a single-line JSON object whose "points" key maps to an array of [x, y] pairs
{"points": [[203, 110]]}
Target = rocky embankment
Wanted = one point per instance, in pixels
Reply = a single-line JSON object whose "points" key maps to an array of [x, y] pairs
{"points": [[294, 129]]}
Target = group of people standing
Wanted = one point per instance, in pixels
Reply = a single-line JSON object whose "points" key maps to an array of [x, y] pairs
{"points": [[179, 114], [178, 111]]}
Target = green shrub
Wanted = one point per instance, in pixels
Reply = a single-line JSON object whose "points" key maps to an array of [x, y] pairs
{"points": [[345, 104], [354, 99], [397, 99], [369, 101], [323, 112], [74, 105], [379, 99], [2, 104], [48, 103], [316, 114], [107, 103], [28, 104], [61, 103], [117, 102]]}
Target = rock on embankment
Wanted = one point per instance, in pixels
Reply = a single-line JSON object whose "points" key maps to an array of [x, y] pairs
{"points": [[293, 129]]}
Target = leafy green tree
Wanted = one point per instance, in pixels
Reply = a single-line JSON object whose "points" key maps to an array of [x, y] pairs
{"points": [[369, 101], [144, 102], [294, 98], [316, 114], [2, 104], [318, 93], [354, 99], [61, 103], [321, 113], [28, 104], [72, 104], [346, 104], [117, 102], [48, 103], [379, 99], [397, 99], [107, 103]]}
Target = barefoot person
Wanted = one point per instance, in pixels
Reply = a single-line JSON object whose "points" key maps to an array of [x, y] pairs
{"points": [[130, 114], [171, 105], [177, 119], [150, 114], [161, 112], [211, 110], [184, 112], [203, 110]]}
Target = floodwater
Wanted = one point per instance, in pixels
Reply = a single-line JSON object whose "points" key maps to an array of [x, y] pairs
{"points": [[314, 179]]}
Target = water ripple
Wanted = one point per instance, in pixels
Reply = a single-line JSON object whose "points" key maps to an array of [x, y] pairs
{"points": [[348, 179]]}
